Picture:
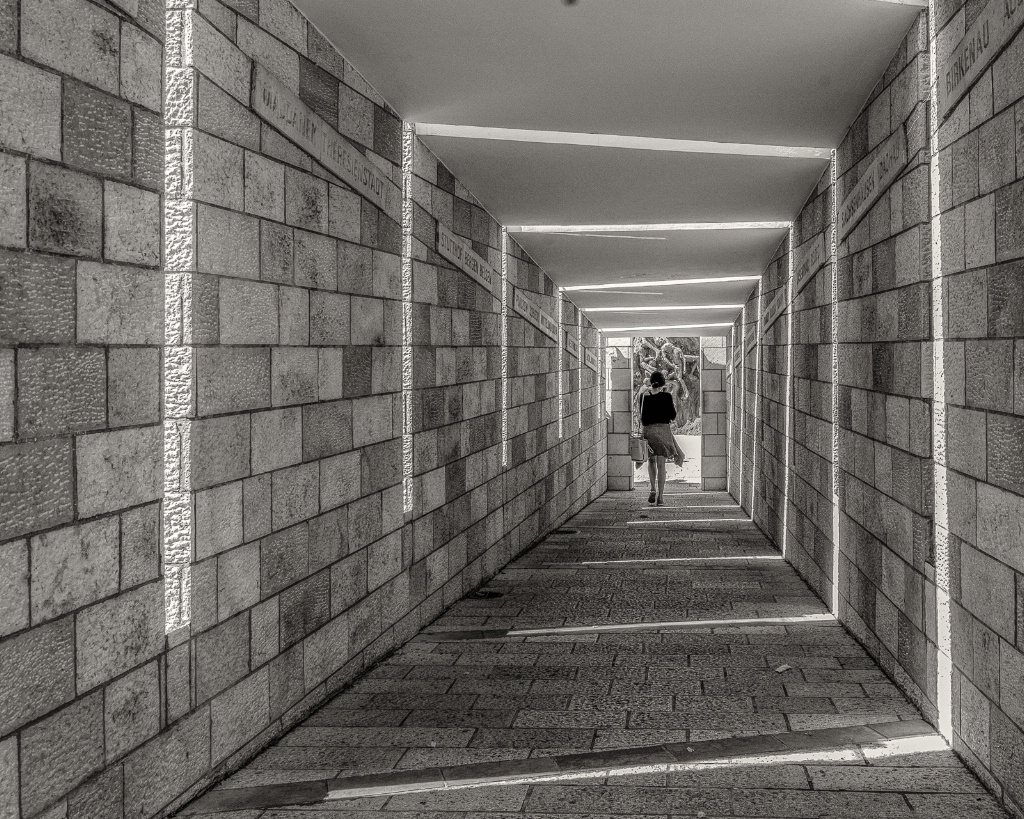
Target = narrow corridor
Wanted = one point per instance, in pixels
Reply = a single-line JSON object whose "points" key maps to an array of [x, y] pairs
{"points": [[601, 681]]}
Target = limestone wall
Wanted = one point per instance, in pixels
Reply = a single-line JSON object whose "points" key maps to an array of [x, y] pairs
{"points": [[257, 384], [713, 413], [981, 165], [930, 496], [770, 429], [884, 399], [620, 467], [81, 327], [809, 535]]}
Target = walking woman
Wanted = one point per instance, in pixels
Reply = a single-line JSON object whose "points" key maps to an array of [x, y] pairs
{"points": [[656, 413]]}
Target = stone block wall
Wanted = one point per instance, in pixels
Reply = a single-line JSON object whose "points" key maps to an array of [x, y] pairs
{"points": [[295, 318], [981, 172], [713, 413], [769, 480], [734, 387], [748, 401], [884, 332], [809, 535], [620, 467], [81, 327], [930, 497]]}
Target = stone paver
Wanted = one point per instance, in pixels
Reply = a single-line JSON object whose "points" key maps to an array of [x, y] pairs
{"points": [[554, 710]]}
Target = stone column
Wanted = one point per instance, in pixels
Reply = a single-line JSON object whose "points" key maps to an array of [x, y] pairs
{"points": [[713, 451]]}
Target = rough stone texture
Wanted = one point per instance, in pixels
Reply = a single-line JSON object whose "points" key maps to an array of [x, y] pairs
{"points": [[14, 587], [30, 102], [902, 530], [74, 37], [125, 239], [37, 486], [13, 209], [119, 634], [118, 469], [307, 567], [982, 328], [37, 299], [37, 673], [714, 416], [60, 751], [770, 447], [65, 211], [74, 567], [620, 467], [61, 391], [809, 535]]}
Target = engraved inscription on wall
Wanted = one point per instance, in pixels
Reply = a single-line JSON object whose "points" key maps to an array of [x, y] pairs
{"points": [[993, 29], [281, 107], [457, 250], [889, 160]]}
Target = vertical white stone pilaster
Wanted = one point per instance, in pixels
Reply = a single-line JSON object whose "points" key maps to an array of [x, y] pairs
{"points": [[759, 346], [788, 400], [408, 147], [179, 266], [504, 347], [579, 371], [742, 405], [835, 388], [943, 614], [561, 365]]}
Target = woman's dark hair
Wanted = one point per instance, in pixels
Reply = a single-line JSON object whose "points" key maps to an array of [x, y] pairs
{"points": [[657, 379]]}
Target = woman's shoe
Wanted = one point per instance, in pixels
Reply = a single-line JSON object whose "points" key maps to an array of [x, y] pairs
{"points": [[651, 497], [661, 501]]}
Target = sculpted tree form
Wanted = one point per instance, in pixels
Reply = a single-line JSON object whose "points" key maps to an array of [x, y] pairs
{"points": [[678, 359]]}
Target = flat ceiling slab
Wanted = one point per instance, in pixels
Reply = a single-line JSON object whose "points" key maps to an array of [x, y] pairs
{"points": [[524, 183], [784, 72], [791, 73], [579, 259]]}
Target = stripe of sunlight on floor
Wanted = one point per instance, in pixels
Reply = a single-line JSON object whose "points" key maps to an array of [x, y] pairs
{"points": [[753, 702]]}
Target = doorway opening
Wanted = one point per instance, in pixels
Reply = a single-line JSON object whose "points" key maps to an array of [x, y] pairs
{"points": [[678, 359]]}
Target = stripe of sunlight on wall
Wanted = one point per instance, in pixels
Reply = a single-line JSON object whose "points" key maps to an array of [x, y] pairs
{"points": [[741, 409], [178, 360], [579, 370], [561, 367], [504, 346], [731, 404], [758, 352], [943, 631], [408, 142], [835, 390], [788, 405]]}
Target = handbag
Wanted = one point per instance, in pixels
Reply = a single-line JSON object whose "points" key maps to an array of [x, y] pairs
{"points": [[637, 443]]}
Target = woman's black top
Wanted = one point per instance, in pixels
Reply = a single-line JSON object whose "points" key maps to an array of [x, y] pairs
{"points": [[657, 409]]}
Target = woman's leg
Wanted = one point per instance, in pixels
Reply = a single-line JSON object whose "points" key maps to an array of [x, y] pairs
{"points": [[661, 476], [652, 474]]}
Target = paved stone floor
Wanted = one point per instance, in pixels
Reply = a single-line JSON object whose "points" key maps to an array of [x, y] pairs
{"points": [[765, 718]]}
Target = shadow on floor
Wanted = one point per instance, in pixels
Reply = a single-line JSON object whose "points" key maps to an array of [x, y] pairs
{"points": [[646, 662]]}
